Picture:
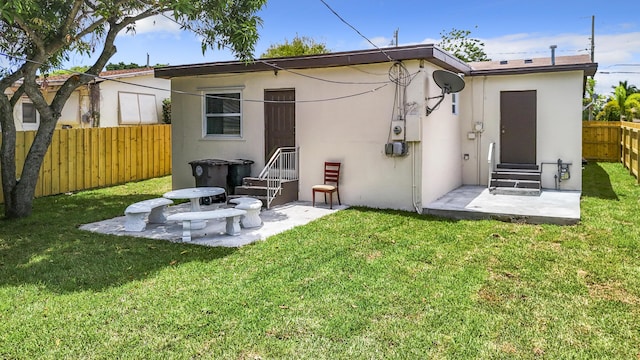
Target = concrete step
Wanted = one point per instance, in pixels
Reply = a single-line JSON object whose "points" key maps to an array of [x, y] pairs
{"points": [[251, 190], [517, 175], [533, 167], [514, 191], [288, 193], [252, 181], [516, 183]]}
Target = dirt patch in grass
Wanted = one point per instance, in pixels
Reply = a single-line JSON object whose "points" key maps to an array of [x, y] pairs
{"points": [[612, 292], [488, 295]]}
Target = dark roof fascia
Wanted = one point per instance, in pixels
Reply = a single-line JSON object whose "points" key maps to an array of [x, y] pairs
{"points": [[418, 52], [588, 68]]}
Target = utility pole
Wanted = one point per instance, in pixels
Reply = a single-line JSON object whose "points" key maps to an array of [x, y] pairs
{"points": [[593, 34], [593, 46], [395, 36]]}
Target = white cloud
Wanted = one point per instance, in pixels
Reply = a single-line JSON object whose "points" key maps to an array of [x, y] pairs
{"points": [[430, 41], [379, 41], [156, 24], [611, 50]]}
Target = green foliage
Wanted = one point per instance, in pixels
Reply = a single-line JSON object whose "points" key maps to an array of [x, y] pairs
{"points": [[297, 47], [633, 107], [624, 104], [73, 70], [461, 45], [122, 66], [166, 111], [37, 36], [628, 88], [589, 103], [357, 284], [610, 112]]}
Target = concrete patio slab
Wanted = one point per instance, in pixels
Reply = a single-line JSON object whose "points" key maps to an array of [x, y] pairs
{"points": [[275, 220], [475, 202]]}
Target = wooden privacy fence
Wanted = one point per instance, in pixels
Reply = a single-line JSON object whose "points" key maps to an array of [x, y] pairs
{"points": [[630, 139], [601, 140], [612, 141], [80, 159]]}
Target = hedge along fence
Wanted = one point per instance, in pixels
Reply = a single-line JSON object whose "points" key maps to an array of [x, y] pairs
{"points": [[80, 159]]}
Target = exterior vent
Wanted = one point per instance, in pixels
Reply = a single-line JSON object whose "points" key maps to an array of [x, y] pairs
{"points": [[528, 61], [503, 62]]}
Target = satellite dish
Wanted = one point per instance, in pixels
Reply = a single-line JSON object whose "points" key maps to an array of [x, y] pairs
{"points": [[449, 82]]}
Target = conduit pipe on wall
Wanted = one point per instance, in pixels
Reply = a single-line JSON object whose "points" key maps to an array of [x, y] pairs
{"points": [[479, 137], [417, 203], [416, 177]]}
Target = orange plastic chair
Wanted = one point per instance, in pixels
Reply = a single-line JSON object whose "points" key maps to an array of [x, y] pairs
{"points": [[331, 176]]}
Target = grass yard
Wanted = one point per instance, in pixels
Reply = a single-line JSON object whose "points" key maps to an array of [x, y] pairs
{"points": [[359, 284]]}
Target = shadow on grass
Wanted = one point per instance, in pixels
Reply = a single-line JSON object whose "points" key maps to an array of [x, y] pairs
{"points": [[596, 183], [410, 214], [48, 249]]}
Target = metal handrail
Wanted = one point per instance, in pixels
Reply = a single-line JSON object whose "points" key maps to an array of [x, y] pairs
{"points": [[282, 166], [491, 161]]}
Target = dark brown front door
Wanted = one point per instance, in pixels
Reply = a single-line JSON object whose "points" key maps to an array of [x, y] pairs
{"points": [[518, 127], [279, 120]]}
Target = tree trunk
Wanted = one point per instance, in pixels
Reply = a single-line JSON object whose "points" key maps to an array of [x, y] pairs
{"points": [[7, 151], [19, 192]]}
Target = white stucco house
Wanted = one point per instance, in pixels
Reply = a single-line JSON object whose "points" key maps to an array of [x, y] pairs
{"points": [[115, 98], [348, 106]]}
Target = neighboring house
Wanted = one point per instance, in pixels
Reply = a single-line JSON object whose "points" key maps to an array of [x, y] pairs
{"points": [[115, 98], [343, 107]]}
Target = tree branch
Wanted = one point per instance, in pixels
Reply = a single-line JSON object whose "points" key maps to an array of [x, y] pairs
{"points": [[16, 95], [31, 33], [71, 18]]}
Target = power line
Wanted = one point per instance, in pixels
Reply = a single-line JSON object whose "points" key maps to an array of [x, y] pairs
{"points": [[622, 65], [321, 79], [617, 72], [356, 30], [204, 95], [274, 66], [187, 26]]}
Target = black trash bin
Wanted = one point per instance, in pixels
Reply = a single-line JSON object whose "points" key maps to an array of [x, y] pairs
{"points": [[238, 170], [211, 172]]}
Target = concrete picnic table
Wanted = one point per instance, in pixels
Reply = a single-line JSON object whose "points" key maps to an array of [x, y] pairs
{"points": [[194, 195]]}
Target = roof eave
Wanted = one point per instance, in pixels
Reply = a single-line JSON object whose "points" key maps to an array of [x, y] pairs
{"points": [[418, 52], [588, 68]]}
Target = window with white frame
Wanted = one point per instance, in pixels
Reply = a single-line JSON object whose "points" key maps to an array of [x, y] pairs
{"points": [[454, 103], [223, 114], [30, 116]]}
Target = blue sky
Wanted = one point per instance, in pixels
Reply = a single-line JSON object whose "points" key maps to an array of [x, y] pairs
{"points": [[509, 29]]}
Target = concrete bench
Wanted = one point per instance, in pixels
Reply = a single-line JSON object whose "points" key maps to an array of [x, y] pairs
{"points": [[232, 216], [252, 206], [137, 213]]}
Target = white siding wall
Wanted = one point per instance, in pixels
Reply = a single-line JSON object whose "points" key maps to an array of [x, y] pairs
{"points": [[442, 170], [331, 125], [559, 126]]}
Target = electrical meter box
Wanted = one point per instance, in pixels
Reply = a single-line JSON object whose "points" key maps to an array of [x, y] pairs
{"points": [[397, 130]]}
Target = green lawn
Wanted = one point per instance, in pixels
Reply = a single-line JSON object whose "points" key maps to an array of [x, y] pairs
{"points": [[359, 284]]}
